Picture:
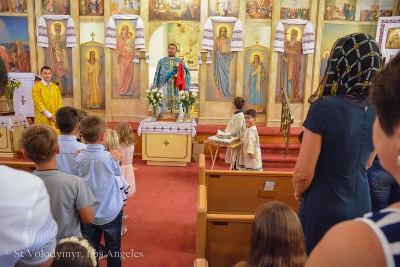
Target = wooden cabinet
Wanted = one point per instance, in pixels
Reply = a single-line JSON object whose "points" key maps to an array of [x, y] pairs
{"points": [[167, 149], [10, 132], [166, 143]]}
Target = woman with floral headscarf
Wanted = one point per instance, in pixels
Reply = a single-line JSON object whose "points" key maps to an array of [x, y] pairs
{"points": [[330, 176]]}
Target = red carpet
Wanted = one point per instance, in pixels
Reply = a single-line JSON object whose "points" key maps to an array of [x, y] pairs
{"points": [[162, 223]]}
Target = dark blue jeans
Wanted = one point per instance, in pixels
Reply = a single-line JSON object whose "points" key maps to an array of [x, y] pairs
{"points": [[383, 187], [112, 238]]}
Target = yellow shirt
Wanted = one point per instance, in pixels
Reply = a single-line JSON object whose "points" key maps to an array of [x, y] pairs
{"points": [[46, 98]]}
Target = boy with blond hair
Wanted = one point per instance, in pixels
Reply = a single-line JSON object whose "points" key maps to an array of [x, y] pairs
{"points": [[98, 170], [70, 198]]}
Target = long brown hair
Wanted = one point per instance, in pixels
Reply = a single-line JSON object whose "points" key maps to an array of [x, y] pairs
{"points": [[125, 134], [277, 239]]}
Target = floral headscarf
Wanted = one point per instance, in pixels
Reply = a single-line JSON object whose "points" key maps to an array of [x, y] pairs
{"points": [[353, 62]]}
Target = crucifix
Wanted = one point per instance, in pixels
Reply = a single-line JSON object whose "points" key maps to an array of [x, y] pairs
{"points": [[23, 101], [93, 35]]}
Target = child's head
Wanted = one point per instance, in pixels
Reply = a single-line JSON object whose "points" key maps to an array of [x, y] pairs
{"points": [[238, 102], [277, 237], [67, 119], [82, 114], [250, 116], [125, 133], [130, 35], [93, 129], [39, 143], [112, 140], [74, 252]]}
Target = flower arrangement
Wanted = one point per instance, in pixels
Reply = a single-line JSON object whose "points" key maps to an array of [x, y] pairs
{"points": [[11, 86], [187, 98], [155, 97]]}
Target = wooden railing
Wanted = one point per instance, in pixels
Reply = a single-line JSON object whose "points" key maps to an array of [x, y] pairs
{"points": [[286, 119]]}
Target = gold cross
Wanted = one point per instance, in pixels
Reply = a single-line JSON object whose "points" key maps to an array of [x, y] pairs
{"points": [[257, 39], [92, 36], [166, 143]]}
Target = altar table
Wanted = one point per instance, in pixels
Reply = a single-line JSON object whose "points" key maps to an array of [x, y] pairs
{"points": [[167, 143], [10, 131]]}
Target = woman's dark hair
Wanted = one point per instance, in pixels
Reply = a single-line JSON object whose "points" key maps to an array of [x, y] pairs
{"points": [[385, 95], [238, 102], [277, 238]]}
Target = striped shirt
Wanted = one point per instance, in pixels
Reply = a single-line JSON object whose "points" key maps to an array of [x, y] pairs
{"points": [[386, 225]]}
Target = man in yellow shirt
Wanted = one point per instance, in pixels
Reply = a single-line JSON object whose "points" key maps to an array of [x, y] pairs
{"points": [[46, 99]]}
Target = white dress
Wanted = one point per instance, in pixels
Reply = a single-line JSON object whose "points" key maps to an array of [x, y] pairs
{"points": [[127, 168]]}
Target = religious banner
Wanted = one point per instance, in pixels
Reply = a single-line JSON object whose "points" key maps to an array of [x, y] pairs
{"points": [[14, 43]]}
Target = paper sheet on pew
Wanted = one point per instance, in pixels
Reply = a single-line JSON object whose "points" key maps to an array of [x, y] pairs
{"points": [[269, 185]]}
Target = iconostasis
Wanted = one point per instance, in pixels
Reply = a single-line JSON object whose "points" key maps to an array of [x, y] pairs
{"points": [[103, 52]]}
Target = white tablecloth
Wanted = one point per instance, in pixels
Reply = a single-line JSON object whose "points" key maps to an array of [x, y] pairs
{"points": [[148, 126], [13, 121]]}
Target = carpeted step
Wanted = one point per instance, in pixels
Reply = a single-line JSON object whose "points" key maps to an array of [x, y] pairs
{"points": [[278, 161], [279, 149]]}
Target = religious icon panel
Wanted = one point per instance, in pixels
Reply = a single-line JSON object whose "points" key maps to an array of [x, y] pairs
{"points": [[293, 9], [14, 43], [13, 6], [56, 7], [258, 9], [92, 75], [59, 57], [91, 7], [174, 10], [125, 7], [221, 75], [125, 75], [256, 73], [340, 10], [291, 65], [225, 8], [372, 9], [187, 43]]}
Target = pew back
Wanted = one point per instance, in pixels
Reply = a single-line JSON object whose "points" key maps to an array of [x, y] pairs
{"points": [[242, 192]]}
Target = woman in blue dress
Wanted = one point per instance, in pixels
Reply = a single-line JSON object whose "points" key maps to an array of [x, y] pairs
{"points": [[330, 176]]}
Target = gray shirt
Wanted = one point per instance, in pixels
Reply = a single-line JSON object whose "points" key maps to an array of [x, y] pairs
{"points": [[68, 194]]}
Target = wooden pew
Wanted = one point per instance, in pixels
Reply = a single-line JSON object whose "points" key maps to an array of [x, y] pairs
{"points": [[227, 201], [23, 165], [200, 263]]}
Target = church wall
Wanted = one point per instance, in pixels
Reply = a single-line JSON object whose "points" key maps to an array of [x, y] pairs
{"points": [[256, 32]]}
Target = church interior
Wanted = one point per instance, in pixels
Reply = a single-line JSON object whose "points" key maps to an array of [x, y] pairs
{"points": [[105, 56]]}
